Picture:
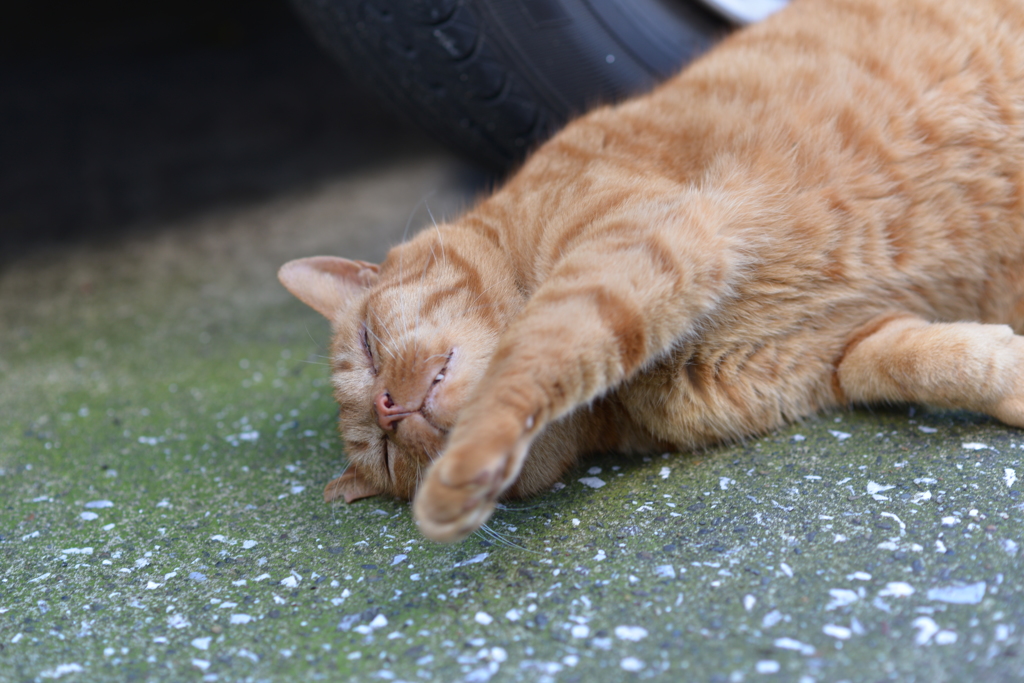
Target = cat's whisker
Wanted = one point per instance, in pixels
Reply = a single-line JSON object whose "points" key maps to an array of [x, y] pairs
{"points": [[419, 302], [504, 540], [484, 291], [337, 486], [525, 508], [382, 325], [380, 344], [481, 306], [405, 236], [439, 240], [310, 335]]}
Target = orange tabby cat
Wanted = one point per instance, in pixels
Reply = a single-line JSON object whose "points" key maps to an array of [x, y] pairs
{"points": [[807, 217]]}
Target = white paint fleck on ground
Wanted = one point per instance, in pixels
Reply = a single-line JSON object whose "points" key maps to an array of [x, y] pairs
{"points": [[973, 446], [201, 643], [665, 571], [99, 504], [926, 629], [945, 638], [837, 631], [483, 618], [592, 482], [473, 560], [1009, 476], [927, 430], [398, 559], [767, 666], [874, 487], [631, 633], [795, 645], [62, 670], [841, 597], [903, 527], [896, 589], [842, 436], [970, 594], [240, 619], [178, 621], [87, 516], [631, 664]]}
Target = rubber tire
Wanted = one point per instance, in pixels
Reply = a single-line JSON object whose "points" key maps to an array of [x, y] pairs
{"points": [[494, 78]]}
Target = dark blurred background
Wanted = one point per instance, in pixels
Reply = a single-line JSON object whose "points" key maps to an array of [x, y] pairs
{"points": [[118, 115]]}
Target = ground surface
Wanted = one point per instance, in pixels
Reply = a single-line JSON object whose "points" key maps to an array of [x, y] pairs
{"points": [[167, 429]]}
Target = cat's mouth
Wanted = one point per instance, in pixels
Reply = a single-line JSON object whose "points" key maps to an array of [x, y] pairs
{"points": [[417, 436]]}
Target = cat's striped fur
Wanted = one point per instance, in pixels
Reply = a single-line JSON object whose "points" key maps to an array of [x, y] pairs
{"points": [[826, 209]]}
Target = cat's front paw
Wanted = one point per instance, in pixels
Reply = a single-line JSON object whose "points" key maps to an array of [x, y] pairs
{"points": [[462, 487]]}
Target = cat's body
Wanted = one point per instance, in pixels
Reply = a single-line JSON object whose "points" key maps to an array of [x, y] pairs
{"points": [[806, 218]]}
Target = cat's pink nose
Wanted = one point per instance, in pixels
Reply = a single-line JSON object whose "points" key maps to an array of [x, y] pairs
{"points": [[389, 414]]}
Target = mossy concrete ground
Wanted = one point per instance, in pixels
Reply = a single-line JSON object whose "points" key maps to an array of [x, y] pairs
{"points": [[168, 426]]}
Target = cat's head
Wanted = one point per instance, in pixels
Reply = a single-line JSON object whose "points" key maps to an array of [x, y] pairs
{"points": [[411, 339]]}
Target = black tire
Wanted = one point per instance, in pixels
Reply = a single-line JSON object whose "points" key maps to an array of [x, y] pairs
{"points": [[494, 78]]}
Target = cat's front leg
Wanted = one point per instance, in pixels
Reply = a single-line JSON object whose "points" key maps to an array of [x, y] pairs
{"points": [[521, 394], [609, 307]]}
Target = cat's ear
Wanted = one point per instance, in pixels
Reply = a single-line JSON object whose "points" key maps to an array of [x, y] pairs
{"points": [[352, 485], [327, 283]]}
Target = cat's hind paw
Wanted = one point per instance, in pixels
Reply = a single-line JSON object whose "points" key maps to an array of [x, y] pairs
{"points": [[1010, 407]]}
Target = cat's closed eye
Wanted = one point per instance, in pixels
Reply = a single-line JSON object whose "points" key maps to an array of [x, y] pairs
{"points": [[364, 337]]}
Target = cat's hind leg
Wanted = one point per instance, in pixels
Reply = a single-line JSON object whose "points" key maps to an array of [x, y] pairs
{"points": [[955, 365]]}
